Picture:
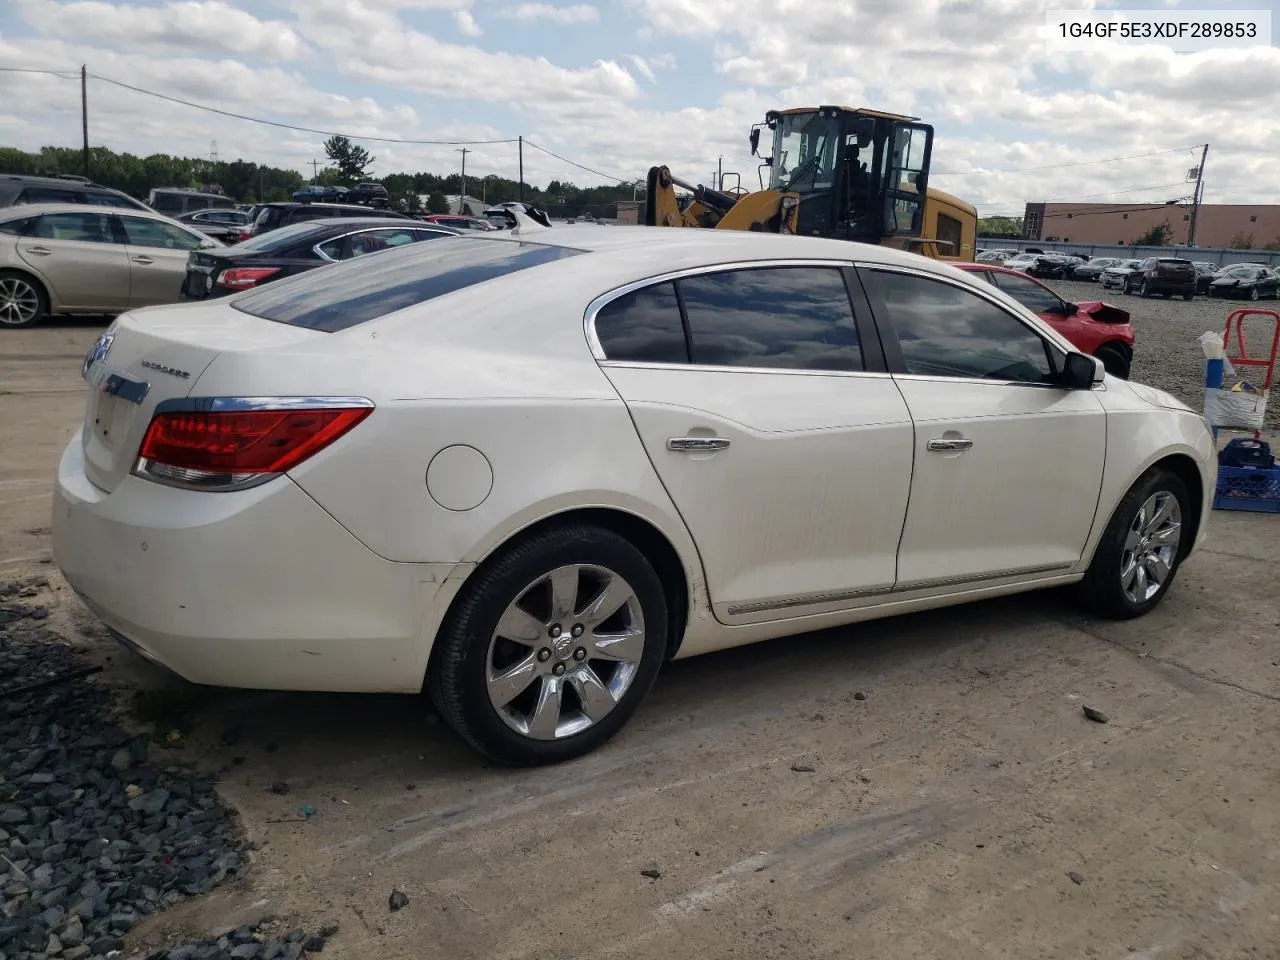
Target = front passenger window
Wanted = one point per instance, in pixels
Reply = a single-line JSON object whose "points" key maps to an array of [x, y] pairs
{"points": [[947, 331]]}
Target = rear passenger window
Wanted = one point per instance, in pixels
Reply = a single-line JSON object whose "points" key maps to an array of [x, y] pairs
{"points": [[643, 327], [793, 318], [47, 195]]}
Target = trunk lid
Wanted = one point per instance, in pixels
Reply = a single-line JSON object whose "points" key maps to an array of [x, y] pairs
{"points": [[152, 355]]}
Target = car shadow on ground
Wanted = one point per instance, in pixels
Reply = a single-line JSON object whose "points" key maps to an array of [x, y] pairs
{"points": [[280, 732]]}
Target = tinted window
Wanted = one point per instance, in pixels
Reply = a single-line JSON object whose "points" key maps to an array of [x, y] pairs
{"points": [[643, 326], [17, 227], [795, 318], [113, 200], [142, 232], [1027, 292], [358, 291], [85, 227], [947, 331], [48, 195], [371, 241], [275, 240]]}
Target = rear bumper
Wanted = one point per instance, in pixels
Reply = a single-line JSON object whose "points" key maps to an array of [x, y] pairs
{"points": [[259, 588]]}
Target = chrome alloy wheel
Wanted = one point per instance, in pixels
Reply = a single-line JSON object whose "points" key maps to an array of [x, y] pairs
{"points": [[565, 651], [19, 302], [1151, 547]]}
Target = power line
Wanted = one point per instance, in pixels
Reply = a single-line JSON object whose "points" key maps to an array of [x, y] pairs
{"points": [[62, 74], [1078, 163], [574, 163], [289, 126]]}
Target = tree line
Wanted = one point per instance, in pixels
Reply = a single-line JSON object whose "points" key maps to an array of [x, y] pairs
{"points": [[248, 182]]}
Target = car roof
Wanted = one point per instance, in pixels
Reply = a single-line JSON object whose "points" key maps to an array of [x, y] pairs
{"points": [[32, 209], [56, 181]]}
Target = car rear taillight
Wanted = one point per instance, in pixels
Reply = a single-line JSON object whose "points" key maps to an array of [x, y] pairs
{"points": [[242, 278], [234, 448]]}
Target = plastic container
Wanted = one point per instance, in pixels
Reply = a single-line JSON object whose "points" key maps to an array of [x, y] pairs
{"points": [[1256, 489]]}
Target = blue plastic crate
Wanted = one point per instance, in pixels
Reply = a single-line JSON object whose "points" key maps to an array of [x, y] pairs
{"points": [[1248, 488]]}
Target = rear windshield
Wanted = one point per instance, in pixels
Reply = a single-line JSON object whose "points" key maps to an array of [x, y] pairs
{"points": [[276, 239], [1170, 261], [357, 291]]}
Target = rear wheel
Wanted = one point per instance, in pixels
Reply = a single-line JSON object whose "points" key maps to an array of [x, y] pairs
{"points": [[551, 647], [1115, 360], [1143, 289], [23, 301], [1187, 296], [1141, 549], [1253, 293]]}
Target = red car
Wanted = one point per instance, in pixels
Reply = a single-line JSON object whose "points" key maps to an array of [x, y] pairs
{"points": [[1092, 327]]}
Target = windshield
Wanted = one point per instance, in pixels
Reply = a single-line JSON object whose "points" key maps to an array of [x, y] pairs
{"points": [[804, 152], [1247, 272]]}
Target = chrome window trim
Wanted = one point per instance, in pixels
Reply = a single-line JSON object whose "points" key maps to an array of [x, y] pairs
{"points": [[422, 228], [222, 404], [711, 368], [604, 299]]}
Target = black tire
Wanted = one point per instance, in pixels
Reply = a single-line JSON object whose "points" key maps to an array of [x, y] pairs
{"points": [[1101, 591], [1253, 293], [1144, 290], [41, 299], [457, 675], [1187, 296], [1115, 360]]}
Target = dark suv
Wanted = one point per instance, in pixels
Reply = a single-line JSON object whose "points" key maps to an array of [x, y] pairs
{"points": [[272, 216], [374, 194], [16, 188], [1167, 275]]}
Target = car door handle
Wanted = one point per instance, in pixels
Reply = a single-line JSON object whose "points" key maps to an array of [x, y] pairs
{"points": [[143, 260], [943, 446], [39, 251], [697, 444]]}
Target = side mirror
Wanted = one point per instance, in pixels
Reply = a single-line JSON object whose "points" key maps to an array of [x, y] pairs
{"points": [[1081, 372], [755, 140]]}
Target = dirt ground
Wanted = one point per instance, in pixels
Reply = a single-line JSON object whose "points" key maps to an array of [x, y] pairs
{"points": [[945, 814]]}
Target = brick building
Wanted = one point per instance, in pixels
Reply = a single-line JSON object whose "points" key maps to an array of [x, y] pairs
{"points": [[1218, 225]]}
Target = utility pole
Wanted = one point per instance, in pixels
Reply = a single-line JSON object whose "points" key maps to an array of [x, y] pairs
{"points": [[462, 194], [520, 185], [315, 170], [720, 173], [84, 113], [1196, 196]]}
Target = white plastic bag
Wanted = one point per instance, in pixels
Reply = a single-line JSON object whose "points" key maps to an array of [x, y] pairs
{"points": [[1235, 409], [1211, 344]]}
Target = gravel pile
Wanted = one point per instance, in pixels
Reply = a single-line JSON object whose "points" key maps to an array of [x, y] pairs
{"points": [[95, 833]]}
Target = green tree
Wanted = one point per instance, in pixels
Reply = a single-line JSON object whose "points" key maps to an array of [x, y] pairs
{"points": [[1241, 242], [436, 203], [1157, 236], [352, 161], [1000, 227]]}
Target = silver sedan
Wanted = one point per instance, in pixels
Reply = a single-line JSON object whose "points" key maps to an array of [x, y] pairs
{"points": [[74, 258]]}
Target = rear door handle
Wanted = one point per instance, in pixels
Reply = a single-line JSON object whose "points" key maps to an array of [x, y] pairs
{"points": [[39, 251], [697, 444], [943, 446], [143, 260]]}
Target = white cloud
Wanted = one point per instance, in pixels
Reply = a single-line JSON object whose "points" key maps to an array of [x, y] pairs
{"points": [[978, 69], [206, 25], [467, 23], [574, 13]]}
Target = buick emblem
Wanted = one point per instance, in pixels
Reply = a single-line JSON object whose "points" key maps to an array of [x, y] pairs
{"points": [[97, 352]]}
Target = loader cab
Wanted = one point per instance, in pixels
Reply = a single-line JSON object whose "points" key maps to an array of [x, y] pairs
{"points": [[859, 174]]}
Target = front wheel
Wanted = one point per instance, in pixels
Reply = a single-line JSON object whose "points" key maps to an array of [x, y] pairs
{"points": [[1141, 549], [552, 646], [1253, 293], [1143, 289]]}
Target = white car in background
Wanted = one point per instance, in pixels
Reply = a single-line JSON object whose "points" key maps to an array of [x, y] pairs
{"points": [[524, 469], [72, 258], [1116, 274]]}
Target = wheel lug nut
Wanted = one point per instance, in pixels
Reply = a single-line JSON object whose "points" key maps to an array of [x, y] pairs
{"points": [[577, 630], [580, 654], [555, 630], [544, 654], [558, 669]]}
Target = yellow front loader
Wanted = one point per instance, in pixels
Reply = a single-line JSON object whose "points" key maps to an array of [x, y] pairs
{"points": [[852, 174]]}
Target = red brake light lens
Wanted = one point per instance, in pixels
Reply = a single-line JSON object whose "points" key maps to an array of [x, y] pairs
{"points": [[242, 278], [237, 448]]}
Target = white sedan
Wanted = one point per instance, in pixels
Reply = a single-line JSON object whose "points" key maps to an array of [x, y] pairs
{"points": [[522, 470]]}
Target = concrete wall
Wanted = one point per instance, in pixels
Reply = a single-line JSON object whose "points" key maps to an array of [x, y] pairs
{"points": [[1217, 224], [1206, 254]]}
